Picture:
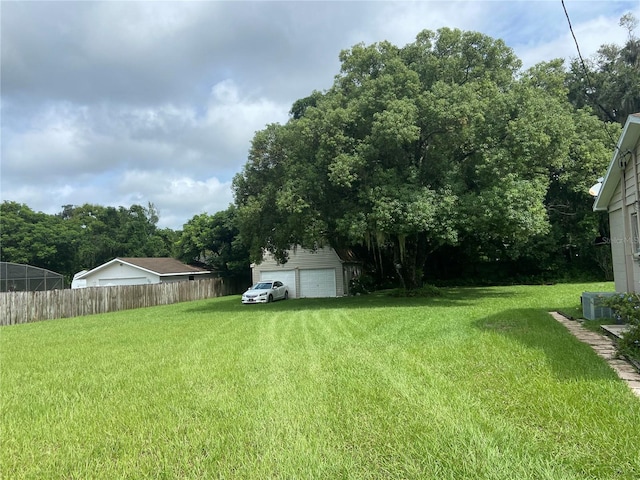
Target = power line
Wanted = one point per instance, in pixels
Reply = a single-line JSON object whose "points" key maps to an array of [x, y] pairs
{"points": [[586, 74], [574, 38]]}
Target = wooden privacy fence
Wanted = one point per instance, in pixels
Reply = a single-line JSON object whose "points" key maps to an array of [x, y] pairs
{"points": [[25, 307]]}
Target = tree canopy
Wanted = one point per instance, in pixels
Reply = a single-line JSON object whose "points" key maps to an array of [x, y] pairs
{"points": [[213, 240], [438, 143], [80, 237], [610, 81]]}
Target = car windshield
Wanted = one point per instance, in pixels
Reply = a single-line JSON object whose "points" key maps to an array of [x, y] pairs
{"points": [[262, 286]]}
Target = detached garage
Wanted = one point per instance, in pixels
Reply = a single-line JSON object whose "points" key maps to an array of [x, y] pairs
{"points": [[138, 271], [309, 274]]}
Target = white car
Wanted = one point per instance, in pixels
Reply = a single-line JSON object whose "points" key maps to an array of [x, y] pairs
{"points": [[265, 292]]}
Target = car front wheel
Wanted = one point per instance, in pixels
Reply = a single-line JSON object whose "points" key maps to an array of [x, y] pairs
{"points": [[270, 298], [286, 295]]}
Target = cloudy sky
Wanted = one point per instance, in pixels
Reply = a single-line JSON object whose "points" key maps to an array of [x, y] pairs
{"points": [[122, 102]]}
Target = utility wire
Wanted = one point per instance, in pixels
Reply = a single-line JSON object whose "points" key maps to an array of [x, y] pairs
{"points": [[586, 74]]}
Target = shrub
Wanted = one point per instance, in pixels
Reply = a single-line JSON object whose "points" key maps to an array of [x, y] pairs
{"points": [[361, 285], [423, 292], [626, 307]]}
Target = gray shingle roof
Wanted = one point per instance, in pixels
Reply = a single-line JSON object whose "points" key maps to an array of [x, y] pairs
{"points": [[162, 265]]}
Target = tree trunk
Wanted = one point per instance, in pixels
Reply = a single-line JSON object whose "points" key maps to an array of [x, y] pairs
{"points": [[407, 263]]}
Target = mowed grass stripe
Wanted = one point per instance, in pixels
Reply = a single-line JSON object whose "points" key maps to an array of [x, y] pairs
{"points": [[478, 383]]}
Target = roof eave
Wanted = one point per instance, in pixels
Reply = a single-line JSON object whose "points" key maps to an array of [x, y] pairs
{"points": [[96, 269], [612, 178], [110, 262], [175, 274]]}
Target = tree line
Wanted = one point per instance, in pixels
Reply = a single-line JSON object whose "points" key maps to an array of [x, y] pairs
{"points": [[84, 237], [439, 161]]}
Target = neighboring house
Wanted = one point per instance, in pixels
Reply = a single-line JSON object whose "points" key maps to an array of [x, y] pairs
{"points": [[323, 273], [138, 271], [623, 205]]}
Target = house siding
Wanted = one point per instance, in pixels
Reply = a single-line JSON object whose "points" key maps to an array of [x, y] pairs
{"points": [[633, 200], [623, 222], [122, 273], [619, 195], [185, 277], [616, 199], [302, 259], [617, 250], [117, 272]]}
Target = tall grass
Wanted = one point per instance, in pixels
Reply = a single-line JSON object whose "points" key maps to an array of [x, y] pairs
{"points": [[476, 383]]}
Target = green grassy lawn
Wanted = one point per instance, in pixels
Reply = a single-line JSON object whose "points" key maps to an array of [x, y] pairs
{"points": [[479, 383]]}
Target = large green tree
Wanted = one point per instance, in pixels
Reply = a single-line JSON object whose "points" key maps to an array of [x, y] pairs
{"points": [[568, 249], [35, 238], [108, 232], [80, 237], [214, 241], [609, 82], [436, 143]]}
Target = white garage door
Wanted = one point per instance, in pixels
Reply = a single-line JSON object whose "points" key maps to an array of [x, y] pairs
{"points": [[288, 277], [318, 283]]}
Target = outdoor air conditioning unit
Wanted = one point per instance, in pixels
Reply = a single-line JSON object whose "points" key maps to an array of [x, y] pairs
{"points": [[592, 307]]}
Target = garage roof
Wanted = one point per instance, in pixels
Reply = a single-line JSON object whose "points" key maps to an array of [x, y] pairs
{"points": [[163, 266]]}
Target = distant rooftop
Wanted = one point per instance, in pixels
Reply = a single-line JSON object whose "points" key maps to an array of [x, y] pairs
{"points": [[162, 265]]}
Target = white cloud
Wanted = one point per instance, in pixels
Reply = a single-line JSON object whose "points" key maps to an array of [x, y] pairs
{"points": [[232, 118], [71, 141], [177, 197], [122, 30], [116, 103], [400, 22], [590, 36]]}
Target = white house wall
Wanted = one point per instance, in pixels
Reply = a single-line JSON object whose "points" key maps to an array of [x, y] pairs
{"points": [[182, 278], [114, 282], [616, 226], [616, 199], [626, 262], [302, 259], [633, 199], [120, 274]]}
